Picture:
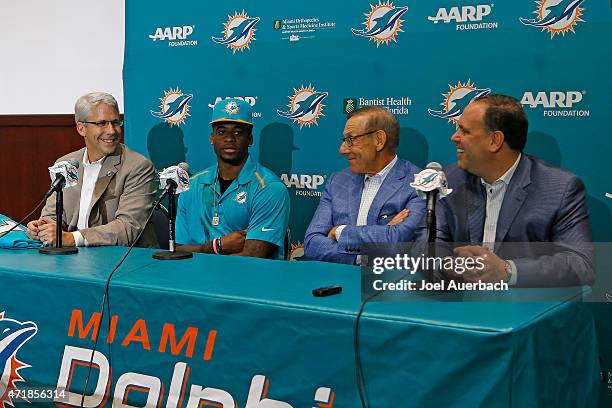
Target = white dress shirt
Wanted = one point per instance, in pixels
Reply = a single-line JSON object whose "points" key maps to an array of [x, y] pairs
{"points": [[90, 177]]}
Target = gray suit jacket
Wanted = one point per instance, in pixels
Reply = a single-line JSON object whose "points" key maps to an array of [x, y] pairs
{"points": [[542, 204], [122, 199]]}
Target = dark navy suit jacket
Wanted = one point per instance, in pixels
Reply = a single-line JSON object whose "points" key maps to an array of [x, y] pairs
{"points": [[542, 203], [339, 205]]}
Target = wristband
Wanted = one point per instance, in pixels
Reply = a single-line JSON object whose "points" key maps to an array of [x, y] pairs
{"points": [[220, 247], [214, 246]]}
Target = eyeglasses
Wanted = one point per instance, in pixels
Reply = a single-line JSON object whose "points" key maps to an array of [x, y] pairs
{"points": [[349, 140], [104, 123]]}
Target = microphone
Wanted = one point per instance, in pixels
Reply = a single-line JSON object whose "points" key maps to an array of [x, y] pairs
{"points": [[63, 174], [175, 178], [431, 185]]}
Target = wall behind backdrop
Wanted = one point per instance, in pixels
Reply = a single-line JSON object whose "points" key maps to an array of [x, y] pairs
{"points": [[303, 66], [55, 51]]}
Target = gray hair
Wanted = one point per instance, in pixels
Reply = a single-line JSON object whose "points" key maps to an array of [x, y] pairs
{"points": [[85, 104], [380, 118]]}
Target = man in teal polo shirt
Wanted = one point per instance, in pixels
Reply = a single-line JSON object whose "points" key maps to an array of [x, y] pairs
{"points": [[236, 207]]}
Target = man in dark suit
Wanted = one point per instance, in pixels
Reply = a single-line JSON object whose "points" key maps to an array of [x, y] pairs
{"points": [[115, 189], [371, 201], [502, 195]]}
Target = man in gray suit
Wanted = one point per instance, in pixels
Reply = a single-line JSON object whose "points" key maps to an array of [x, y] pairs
{"points": [[502, 195], [115, 190]]}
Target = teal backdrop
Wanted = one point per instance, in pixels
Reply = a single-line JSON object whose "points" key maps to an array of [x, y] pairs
{"points": [[304, 65]]}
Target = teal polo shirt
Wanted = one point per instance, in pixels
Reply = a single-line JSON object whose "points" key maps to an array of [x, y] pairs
{"points": [[256, 200]]}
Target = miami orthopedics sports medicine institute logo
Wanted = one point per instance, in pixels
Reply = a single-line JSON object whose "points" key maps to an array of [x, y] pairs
{"points": [[13, 335], [383, 23], [457, 99], [556, 16], [305, 106], [238, 32], [174, 107]]}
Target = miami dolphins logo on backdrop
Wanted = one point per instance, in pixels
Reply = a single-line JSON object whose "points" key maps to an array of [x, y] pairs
{"points": [[383, 23], [174, 107], [457, 99], [238, 32], [556, 16], [13, 335], [305, 106]]}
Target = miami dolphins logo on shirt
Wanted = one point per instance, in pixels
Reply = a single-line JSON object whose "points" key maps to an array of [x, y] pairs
{"points": [[241, 197]]}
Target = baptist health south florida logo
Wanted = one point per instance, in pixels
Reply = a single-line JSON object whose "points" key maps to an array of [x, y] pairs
{"points": [[238, 32], [556, 16], [556, 103], [178, 36], [13, 335], [466, 17], [174, 107], [305, 106], [383, 23], [457, 99]]}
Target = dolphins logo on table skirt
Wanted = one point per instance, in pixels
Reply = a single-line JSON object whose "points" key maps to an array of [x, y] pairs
{"points": [[457, 99], [383, 23], [305, 106], [13, 335], [556, 16], [238, 32]]}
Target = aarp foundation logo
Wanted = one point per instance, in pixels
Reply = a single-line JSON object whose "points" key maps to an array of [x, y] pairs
{"points": [[305, 106], [238, 32], [13, 335], [457, 99], [174, 107], [556, 16], [383, 23]]}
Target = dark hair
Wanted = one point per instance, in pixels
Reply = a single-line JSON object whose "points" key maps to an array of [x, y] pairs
{"points": [[506, 114], [379, 118]]}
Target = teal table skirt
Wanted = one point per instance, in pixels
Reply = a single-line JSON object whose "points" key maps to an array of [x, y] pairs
{"points": [[231, 332]]}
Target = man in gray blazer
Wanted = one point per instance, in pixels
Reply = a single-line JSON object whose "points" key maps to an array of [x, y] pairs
{"points": [[115, 190], [527, 219], [371, 201]]}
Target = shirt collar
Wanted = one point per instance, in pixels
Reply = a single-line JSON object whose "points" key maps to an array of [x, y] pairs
{"points": [[383, 173], [243, 178], [86, 159], [507, 176]]}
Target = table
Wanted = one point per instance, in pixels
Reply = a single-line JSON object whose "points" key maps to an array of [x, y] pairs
{"points": [[248, 332]]}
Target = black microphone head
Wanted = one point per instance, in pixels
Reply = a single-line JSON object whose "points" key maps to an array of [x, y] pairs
{"points": [[74, 163], [434, 166], [184, 166]]}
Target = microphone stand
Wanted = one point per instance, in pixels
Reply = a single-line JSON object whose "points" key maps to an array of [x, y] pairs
{"points": [[172, 254], [434, 274], [59, 211]]}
